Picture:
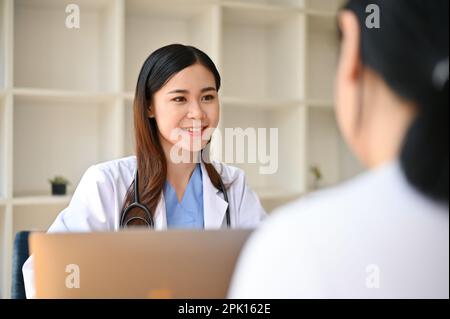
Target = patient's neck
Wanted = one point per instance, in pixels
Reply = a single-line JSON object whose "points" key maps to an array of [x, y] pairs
{"points": [[387, 119]]}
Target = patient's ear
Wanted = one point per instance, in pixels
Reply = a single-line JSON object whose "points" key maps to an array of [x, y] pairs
{"points": [[348, 80], [350, 60]]}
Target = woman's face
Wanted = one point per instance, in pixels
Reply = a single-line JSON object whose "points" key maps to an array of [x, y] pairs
{"points": [[186, 109]]}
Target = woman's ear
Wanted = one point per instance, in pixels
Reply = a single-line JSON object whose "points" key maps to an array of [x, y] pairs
{"points": [[150, 112]]}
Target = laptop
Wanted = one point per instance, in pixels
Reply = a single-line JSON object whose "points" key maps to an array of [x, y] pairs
{"points": [[136, 264]]}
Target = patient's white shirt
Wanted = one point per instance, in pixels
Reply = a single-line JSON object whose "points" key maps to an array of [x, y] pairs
{"points": [[372, 237]]}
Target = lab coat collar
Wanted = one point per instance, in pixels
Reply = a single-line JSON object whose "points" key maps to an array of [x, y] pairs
{"points": [[214, 206], [160, 215]]}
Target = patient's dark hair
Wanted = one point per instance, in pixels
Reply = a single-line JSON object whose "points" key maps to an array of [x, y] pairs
{"points": [[410, 51]]}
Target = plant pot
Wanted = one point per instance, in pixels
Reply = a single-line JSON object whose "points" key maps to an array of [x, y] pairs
{"points": [[59, 189]]}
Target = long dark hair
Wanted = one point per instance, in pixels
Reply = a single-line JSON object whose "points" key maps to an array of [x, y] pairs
{"points": [[157, 69], [410, 52]]}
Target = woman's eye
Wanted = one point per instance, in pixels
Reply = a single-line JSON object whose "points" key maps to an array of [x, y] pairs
{"points": [[179, 99], [208, 97]]}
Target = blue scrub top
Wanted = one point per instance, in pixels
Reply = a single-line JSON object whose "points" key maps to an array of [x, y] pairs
{"points": [[189, 212]]}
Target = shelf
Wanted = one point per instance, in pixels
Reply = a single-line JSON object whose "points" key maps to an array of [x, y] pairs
{"points": [[287, 4], [56, 4], [275, 193], [41, 200], [268, 6], [323, 145], [262, 54], [35, 218], [322, 58], [151, 25], [321, 14], [259, 104], [62, 95], [180, 9], [57, 57], [324, 104], [60, 139], [274, 198], [279, 152], [324, 8]]}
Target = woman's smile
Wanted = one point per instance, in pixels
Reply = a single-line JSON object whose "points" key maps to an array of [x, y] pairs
{"points": [[194, 131]]}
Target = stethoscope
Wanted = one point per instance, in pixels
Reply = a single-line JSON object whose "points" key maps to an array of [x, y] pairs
{"points": [[149, 222]]}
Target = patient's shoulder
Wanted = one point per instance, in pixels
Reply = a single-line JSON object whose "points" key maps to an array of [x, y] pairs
{"points": [[345, 198], [369, 198]]}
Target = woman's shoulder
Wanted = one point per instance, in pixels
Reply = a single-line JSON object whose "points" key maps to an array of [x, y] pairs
{"points": [[127, 164], [116, 170]]}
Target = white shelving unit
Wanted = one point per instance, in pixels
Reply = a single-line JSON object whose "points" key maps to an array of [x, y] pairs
{"points": [[322, 57], [40, 35], [66, 94], [61, 141], [262, 53], [150, 25], [3, 146]]}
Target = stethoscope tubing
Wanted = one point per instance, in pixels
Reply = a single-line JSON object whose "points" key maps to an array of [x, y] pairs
{"points": [[149, 221]]}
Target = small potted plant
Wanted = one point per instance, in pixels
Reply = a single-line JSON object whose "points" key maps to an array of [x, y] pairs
{"points": [[59, 185], [317, 175]]}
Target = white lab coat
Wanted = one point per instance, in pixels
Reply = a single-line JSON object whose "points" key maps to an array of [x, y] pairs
{"points": [[97, 203], [373, 237]]}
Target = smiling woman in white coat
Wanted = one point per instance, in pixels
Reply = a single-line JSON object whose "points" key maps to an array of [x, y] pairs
{"points": [[176, 109], [384, 234]]}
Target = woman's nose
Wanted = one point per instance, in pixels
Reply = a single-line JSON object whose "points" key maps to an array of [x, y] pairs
{"points": [[196, 110]]}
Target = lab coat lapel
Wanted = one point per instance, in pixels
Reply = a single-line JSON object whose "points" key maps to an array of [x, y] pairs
{"points": [[214, 207]]}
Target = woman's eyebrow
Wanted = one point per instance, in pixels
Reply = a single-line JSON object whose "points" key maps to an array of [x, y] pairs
{"points": [[179, 91], [209, 89]]}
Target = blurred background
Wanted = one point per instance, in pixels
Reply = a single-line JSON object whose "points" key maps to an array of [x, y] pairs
{"points": [[66, 92]]}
